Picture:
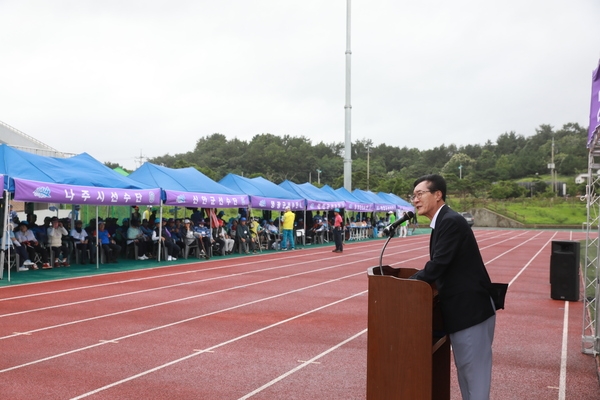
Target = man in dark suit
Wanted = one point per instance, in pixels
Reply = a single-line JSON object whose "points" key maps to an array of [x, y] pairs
{"points": [[463, 285]]}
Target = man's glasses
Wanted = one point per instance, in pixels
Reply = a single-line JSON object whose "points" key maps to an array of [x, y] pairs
{"points": [[418, 195]]}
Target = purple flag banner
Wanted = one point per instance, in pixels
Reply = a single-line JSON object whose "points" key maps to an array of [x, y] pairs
{"points": [[266, 203], [323, 205], [2, 186], [359, 207], [595, 104], [206, 200], [44, 192], [385, 207]]}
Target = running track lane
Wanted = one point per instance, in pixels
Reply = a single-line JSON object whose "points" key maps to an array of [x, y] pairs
{"points": [[309, 343]]}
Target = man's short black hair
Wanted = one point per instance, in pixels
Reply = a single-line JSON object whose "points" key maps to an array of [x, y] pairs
{"points": [[434, 183]]}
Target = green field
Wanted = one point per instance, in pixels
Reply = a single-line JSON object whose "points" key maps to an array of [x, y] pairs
{"points": [[543, 211]]}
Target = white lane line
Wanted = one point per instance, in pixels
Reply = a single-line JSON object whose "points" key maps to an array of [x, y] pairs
{"points": [[299, 367], [141, 279], [157, 328], [187, 283], [531, 260], [217, 346], [79, 321], [562, 388], [171, 274]]}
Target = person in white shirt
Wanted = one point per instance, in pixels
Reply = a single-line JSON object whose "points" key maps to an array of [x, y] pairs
{"points": [[27, 239], [82, 243], [15, 246], [55, 234]]}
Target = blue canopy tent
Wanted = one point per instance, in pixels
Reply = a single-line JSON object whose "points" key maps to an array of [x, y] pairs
{"points": [[351, 202], [378, 203], [188, 187], [401, 204], [77, 180], [264, 194], [315, 198]]}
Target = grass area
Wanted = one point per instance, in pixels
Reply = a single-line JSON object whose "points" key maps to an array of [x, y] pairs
{"points": [[532, 211]]}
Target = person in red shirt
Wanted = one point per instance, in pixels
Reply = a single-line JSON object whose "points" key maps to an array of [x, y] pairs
{"points": [[338, 230]]}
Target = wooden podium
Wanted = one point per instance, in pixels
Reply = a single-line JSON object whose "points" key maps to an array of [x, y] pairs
{"points": [[408, 355]]}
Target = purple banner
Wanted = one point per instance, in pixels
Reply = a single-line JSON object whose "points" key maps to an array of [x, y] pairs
{"points": [[385, 207], [362, 207], [206, 200], [324, 205], [2, 183], [595, 104], [44, 192], [266, 203]]}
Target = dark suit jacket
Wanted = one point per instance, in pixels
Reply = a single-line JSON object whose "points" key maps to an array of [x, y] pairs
{"points": [[458, 271]]}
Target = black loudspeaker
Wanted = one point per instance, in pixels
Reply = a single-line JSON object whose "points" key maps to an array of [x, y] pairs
{"points": [[564, 271]]}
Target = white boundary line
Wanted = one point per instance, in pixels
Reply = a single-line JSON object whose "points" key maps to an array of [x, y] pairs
{"points": [[171, 324], [304, 364], [562, 386], [215, 346]]}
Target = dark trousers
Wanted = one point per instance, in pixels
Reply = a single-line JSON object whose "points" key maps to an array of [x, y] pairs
{"points": [[62, 249], [83, 248], [31, 250], [112, 251], [172, 249], [337, 238]]}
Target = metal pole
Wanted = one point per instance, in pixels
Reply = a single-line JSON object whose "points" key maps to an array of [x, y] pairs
{"points": [[5, 240], [368, 163], [348, 109]]}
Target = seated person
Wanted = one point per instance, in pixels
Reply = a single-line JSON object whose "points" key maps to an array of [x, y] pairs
{"points": [[243, 236], [27, 239], [271, 232], [83, 244], [16, 247], [110, 247], [147, 228], [205, 237], [255, 229], [55, 234], [174, 230], [223, 236], [190, 237], [135, 236], [165, 240]]}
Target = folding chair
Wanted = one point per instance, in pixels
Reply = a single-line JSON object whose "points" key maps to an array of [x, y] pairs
{"points": [[300, 238], [13, 261], [195, 246]]}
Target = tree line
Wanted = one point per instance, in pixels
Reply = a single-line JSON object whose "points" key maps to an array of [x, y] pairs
{"points": [[478, 170]]}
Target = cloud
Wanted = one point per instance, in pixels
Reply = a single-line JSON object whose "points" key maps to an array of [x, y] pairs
{"points": [[118, 78]]}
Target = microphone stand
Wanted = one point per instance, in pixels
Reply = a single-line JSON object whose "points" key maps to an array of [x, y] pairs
{"points": [[392, 232]]}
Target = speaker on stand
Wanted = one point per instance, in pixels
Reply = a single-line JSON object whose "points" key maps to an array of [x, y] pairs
{"points": [[564, 270]]}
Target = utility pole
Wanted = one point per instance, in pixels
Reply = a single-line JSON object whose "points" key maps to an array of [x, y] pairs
{"points": [[348, 109], [139, 160], [551, 167], [368, 163]]}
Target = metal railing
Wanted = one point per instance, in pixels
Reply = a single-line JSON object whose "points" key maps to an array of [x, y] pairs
{"points": [[590, 343]]}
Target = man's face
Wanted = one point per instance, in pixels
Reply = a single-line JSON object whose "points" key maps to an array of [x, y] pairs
{"points": [[424, 201]]}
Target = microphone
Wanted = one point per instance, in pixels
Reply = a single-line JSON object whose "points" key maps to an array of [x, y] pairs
{"points": [[392, 227]]}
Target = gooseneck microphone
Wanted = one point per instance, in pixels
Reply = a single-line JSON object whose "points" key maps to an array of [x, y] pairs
{"points": [[392, 227]]}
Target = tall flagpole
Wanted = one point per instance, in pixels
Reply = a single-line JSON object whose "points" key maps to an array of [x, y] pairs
{"points": [[348, 109]]}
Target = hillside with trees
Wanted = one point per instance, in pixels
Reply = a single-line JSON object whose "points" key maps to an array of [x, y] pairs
{"points": [[492, 170]]}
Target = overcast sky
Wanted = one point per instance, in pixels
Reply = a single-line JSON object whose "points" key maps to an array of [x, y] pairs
{"points": [[117, 79]]}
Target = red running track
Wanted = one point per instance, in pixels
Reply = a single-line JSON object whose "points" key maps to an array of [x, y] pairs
{"points": [[271, 326]]}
